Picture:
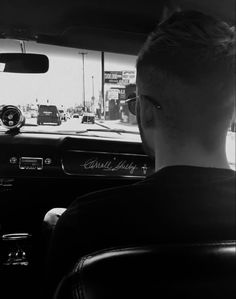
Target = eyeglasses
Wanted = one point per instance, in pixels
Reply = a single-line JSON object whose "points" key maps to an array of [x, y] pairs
{"points": [[132, 103]]}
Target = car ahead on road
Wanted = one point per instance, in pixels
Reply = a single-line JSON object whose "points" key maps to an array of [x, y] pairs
{"points": [[88, 117], [48, 114], [44, 167], [63, 115], [75, 115], [34, 114]]}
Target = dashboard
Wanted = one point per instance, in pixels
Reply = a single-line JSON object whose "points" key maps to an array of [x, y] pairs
{"points": [[59, 156], [41, 171]]}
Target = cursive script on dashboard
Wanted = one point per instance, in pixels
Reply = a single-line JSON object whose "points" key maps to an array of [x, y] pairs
{"points": [[109, 165]]}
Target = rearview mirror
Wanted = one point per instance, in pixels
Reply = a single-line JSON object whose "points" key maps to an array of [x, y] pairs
{"points": [[23, 63]]}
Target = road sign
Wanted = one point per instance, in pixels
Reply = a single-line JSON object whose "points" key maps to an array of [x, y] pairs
{"points": [[114, 77], [128, 77], [113, 94]]}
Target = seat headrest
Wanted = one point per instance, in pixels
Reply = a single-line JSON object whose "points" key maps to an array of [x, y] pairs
{"points": [[155, 271]]}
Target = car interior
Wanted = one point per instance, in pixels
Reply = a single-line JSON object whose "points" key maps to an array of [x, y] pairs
{"points": [[43, 166]]}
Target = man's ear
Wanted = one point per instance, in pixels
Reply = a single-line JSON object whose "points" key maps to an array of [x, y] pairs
{"points": [[148, 114]]}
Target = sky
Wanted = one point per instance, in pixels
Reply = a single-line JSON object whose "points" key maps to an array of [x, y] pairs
{"points": [[63, 83]]}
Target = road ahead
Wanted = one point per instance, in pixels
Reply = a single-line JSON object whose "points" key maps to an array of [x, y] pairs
{"points": [[73, 124]]}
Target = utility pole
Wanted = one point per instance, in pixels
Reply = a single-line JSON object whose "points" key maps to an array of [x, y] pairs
{"points": [[103, 98], [92, 106], [93, 86], [83, 54]]}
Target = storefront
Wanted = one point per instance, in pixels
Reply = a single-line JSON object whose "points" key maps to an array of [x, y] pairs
{"points": [[119, 86]]}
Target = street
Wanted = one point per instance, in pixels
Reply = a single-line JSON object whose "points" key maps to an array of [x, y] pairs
{"points": [[75, 124]]}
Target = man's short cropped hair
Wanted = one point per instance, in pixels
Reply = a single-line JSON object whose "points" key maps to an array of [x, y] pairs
{"points": [[190, 61]]}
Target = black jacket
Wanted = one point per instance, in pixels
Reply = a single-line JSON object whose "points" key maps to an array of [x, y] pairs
{"points": [[176, 204]]}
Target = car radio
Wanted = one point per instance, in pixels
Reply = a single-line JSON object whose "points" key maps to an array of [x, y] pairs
{"points": [[31, 163]]}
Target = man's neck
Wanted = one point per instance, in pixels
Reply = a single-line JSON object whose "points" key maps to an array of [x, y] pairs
{"points": [[190, 156]]}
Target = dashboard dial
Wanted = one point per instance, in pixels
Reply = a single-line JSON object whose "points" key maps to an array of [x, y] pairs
{"points": [[11, 117]]}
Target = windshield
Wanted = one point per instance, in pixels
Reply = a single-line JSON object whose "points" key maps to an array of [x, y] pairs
{"points": [[83, 92], [82, 89]]}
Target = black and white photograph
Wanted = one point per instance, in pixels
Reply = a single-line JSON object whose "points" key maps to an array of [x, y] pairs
{"points": [[117, 149]]}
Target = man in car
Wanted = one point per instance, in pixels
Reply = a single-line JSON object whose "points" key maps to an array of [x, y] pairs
{"points": [[185, 102]]}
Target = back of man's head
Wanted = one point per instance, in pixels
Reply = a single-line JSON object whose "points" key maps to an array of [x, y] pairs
{"points": [[188, 65]]}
